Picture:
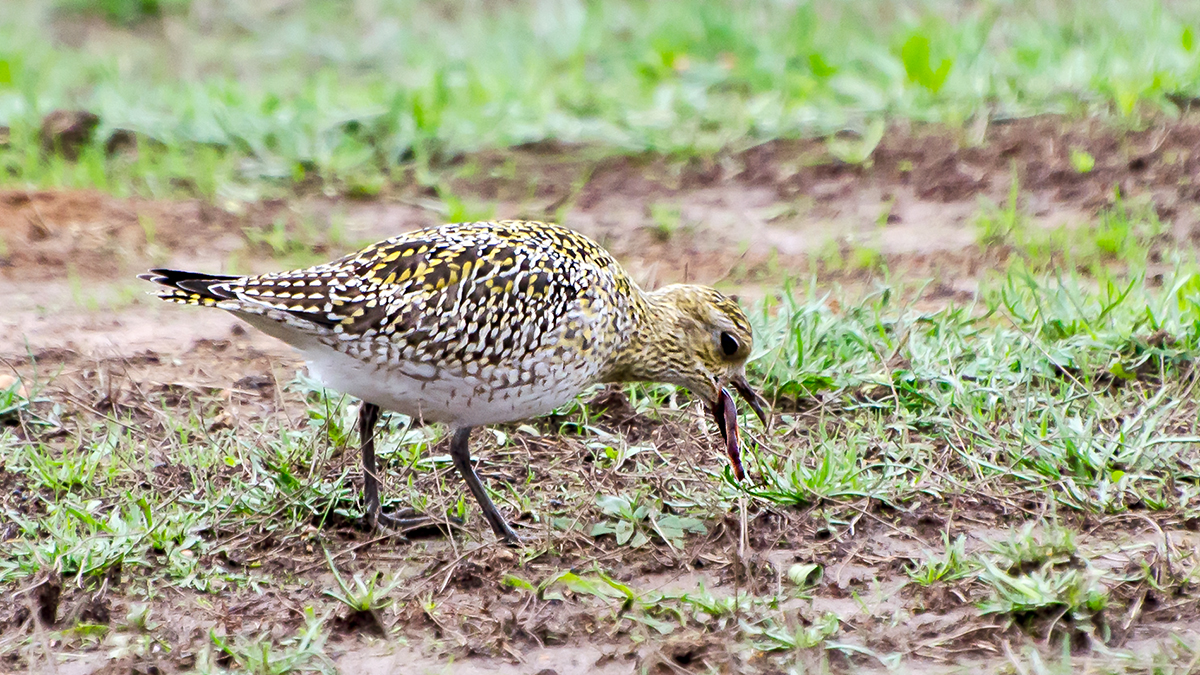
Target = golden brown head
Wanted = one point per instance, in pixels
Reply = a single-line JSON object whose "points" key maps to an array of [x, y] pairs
{"points": [[698, 338]]}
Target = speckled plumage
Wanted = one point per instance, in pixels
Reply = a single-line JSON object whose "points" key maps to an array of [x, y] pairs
{"points": [[479, 323]]}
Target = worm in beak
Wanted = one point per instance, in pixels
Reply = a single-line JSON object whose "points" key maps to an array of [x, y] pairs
{"points": [[725, 413]]}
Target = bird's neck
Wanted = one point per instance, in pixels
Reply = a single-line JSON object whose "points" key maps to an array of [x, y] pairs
{"points": [[654, 336]]}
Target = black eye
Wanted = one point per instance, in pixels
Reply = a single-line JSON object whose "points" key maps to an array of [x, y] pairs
{"points": [[729, 344]]}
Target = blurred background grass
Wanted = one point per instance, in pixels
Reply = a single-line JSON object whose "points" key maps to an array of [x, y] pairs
{"points": [[252, 94]]}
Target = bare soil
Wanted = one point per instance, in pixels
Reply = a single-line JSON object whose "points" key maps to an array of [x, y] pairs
{"points": [[743, 221]]}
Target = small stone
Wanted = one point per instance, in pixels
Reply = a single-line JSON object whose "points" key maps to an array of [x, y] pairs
{"points": [[8, 381]]}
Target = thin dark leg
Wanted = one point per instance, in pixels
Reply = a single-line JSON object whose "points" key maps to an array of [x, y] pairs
{"points": [[405, 521], [460, 452], [368, 416]]}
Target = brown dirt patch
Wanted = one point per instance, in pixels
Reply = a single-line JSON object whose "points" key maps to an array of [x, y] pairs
{"points": [[49, 235]]}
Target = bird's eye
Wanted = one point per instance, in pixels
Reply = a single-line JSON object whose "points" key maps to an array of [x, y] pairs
{"points": [[729, 344]]}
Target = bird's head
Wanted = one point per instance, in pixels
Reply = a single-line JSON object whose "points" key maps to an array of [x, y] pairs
{"points": [[701, 340]]}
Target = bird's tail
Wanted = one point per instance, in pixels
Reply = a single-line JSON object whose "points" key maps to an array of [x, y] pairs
{"points": [[191, 288]]}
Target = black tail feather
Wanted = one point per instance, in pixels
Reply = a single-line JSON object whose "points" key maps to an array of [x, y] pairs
{"points": [[191, 282]]}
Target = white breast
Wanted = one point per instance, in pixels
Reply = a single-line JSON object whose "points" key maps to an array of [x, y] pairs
{"points": [[457, 399]]}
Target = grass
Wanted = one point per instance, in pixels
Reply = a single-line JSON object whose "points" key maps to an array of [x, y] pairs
{"points": [[235, 101], [263, 656], [1051, 396], [1125, 234]]}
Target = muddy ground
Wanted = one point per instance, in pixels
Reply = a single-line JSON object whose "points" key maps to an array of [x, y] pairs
{"points": [[745, 221]]}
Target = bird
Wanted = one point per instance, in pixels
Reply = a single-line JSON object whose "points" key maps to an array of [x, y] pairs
{"points": [[482, 323]]}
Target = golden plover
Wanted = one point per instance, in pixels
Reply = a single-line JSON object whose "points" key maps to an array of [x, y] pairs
{"points": [[480, 323]]}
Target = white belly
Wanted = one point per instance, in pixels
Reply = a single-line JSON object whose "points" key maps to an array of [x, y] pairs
{"points": [[502, 394], [439, 396]]}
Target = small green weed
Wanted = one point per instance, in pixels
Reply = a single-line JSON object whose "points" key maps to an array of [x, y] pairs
{"points": [[918, 64], [1082, 161], [666, 219], [634, 522], [953, 564], [362, 596]]}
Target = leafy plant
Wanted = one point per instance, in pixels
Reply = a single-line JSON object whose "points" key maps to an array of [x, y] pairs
{"points": [[634, 523], [805, 575], [918, 64]]}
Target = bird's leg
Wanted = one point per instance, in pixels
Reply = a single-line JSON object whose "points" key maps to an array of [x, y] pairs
{"points": [[368, 417], [460, 452]]}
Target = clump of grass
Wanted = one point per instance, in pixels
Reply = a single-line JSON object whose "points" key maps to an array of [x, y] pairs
{"points": [[666, 220], [846, 255], [365, 599], [261, 655], [1032, 548], [1001, 224], [1049, 598], [1124, 236], [293, 239], [15, 399], [951, 565]]}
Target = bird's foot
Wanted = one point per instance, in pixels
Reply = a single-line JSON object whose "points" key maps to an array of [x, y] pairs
{"points": [[408, 522], [506, 533]]}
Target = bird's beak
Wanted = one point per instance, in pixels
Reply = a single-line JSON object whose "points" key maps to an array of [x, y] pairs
{"points": [[742, 387], [724, 412]]}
